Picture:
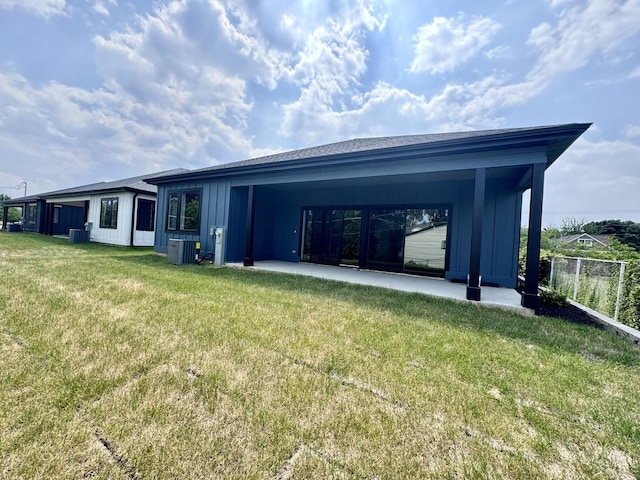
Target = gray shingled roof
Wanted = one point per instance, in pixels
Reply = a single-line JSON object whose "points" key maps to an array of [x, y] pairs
{"points": [[135, 184], [383, 145], [368, 144]]}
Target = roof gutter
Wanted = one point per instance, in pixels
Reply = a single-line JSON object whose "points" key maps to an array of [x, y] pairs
{"points": [[535, 139]]}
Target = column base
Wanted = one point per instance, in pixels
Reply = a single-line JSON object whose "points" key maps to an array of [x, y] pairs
{"points": [[530, 300], [473, 293], [248, 262]]}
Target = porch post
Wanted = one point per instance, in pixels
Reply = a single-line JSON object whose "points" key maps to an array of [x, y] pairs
{"points": [[364, 238], [48, 217], [5, 212], [530, 297], [473, 281], [251, 213]]}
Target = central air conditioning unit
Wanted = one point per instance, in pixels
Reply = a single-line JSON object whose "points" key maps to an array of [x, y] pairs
{"points": [[77, 235], [181, 251]]}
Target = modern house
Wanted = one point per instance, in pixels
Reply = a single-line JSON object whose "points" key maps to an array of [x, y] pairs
{"points": [[441, 204], [121, 212], [586, 240]]}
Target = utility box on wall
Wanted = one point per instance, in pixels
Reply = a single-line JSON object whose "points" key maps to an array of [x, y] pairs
{"points": [[220, 241], [181, 251]]}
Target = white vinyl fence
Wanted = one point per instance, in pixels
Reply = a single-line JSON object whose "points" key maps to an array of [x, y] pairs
{"points": [[596, 284]]}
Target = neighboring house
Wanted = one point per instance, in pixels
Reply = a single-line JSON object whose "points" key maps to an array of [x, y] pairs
{"points": [[348, 203], [121, 212], [586, 240]]}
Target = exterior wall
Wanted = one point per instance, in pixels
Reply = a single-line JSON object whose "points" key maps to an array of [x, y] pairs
{"points": [[69, 217], [278, 219], [214, 211], [442, 183], [36, 226], [114, 236]]}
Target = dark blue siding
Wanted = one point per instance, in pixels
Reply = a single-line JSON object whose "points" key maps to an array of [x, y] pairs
{"points": [[281, 196], [69, 217]]}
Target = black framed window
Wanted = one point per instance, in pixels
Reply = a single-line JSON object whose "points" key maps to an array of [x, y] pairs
{"points": [[56, 214], [32, 213], [109, 212], [183, 211], [146, 215]]}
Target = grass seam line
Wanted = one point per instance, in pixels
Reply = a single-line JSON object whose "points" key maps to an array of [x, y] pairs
{"points": [[287, 470], [16, 339], [348, 382], [120, 460]]}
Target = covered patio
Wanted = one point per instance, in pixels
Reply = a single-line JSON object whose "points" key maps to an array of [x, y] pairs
{"points": [[505, 298], [444, 205]]}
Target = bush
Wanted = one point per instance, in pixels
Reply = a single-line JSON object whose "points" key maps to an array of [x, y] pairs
{"points": [[553, 297], [630, 307]]}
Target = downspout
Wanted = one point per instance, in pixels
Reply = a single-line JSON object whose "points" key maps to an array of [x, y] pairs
{"points": [[133, 218]]}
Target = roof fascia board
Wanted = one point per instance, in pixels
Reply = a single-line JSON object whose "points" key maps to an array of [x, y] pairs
{"points": [[538, 138], [91, 193], [394, 168], [68, 198]]}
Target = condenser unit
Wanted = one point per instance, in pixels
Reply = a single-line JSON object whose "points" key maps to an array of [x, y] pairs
{"points": [[181, 251], [77, 235]]}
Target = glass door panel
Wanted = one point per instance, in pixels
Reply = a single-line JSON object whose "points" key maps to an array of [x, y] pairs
{"points": [[426, 241], [350, 254], [386, 239], [316, 236], [331, 236], [335, 236]]}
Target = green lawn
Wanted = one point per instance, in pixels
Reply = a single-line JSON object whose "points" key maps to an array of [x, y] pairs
{"points": [[115, 364]]}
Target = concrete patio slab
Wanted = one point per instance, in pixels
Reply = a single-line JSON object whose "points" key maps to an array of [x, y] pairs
{"points": [[505, 298]]}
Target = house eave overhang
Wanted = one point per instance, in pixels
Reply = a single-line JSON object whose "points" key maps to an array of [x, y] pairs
{"points": [[84, 194], [552, 140]]}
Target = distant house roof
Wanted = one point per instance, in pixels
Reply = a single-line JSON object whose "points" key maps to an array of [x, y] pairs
{"points": [[556, 139], [133, 184], [585, 238]]}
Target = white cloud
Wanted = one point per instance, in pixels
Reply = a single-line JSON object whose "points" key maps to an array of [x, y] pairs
{"points": [[635, 73], [172, 96], [632, 131], [594, 180], [44, 8], [329, 69], [446, 43], [101, 9], [582, 32], [388, 110]]}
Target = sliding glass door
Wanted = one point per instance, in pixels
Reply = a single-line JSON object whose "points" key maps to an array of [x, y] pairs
{"points": [[412, 240], [331, 236]]}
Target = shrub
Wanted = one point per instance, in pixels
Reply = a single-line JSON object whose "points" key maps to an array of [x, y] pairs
{"points": [[630, 307]]}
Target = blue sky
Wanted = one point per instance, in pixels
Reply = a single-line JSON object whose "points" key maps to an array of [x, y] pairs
{"points": [[94, 90]]}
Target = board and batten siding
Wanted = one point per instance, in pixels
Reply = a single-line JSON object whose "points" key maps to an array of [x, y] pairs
{"points": [[114, 236], [214, 211]]}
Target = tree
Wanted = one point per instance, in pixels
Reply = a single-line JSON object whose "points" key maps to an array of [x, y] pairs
{"points": [[626, 232], [13, 214], [571, 226]]}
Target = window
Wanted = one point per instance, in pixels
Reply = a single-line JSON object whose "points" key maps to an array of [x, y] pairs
{"points": [[109, 213], [32, 213], [183, 211], [146, 215], [56, 214]]}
